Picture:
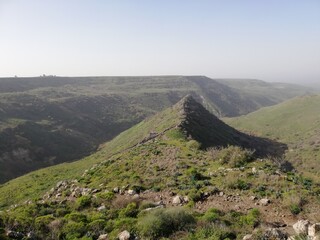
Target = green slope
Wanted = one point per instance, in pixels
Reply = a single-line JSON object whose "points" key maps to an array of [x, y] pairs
{"points": [[45, 121], [186, 118], [294, 122], [159, 158]]}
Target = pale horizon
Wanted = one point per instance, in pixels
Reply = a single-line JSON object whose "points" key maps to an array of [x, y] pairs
{"points": [[274, 41]]}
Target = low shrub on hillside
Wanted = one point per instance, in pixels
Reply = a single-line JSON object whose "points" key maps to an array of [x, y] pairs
{"points": [[235, 156], [163, 222]]}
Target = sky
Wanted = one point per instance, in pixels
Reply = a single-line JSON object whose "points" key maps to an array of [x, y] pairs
{"points": [[271, 40]]}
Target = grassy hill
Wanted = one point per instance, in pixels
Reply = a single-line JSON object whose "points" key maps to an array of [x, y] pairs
{"points": [[49, 120], [180, 174], [294, 122]]}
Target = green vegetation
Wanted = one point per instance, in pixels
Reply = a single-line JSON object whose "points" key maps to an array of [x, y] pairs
{"points": [[156, 180], [296, 123], [50, 120]]}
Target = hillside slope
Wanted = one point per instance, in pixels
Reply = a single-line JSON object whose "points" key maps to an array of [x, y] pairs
{"points": [[49, 120], [157, 180], [186, 119], [294, 122]]}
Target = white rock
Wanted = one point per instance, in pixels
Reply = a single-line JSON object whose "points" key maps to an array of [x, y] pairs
{"points": [[125, 235], [247, 237], [101, 208], [132, 192], [177, 200], [103, 237], [301, 227], [314, 230], [264, 201], [186, 199]]}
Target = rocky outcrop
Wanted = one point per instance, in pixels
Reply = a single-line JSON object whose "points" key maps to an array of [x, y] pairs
{"points": [[301, 227]]}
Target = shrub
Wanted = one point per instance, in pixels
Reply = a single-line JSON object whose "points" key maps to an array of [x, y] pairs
{"points": [[83, 202], [76, 217], [194, 195], [212, 232], [212, 215], [108, 196], [42, 223], [194, 174], [240, 184], [163, 222], [295, 209], [193, 145], [252, 219], [235, 156], [74, 230], [130, 211]]}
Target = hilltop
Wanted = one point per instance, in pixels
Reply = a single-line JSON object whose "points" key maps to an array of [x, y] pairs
{"points": [[45, 121], [183, 167]]}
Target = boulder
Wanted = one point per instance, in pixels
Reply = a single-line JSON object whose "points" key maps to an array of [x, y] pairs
{"points": [[264, 201], [116, 190], [301, 227], [132, 192], [101, 208], [125, 235], [103, 237], [177, 200], [314, 231], [274, 234], [247, 237]]}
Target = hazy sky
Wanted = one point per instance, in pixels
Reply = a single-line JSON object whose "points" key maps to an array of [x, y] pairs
{"points": [[273, 40]]}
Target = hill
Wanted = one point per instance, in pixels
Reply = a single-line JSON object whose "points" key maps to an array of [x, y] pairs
{"points": [[168, 176], [294, 122], [49, 120], [266, 93]]}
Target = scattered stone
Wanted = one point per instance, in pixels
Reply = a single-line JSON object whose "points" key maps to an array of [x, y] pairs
{"points": [[15, 235], [177, 200], [274, 234], [247, 237], [314, 230], [136, 196], [101, 208], [264, 201], [301, 227], [103, 237], [125, 235], [186, 199], [221, 194], [131, 192], [253, 198]]}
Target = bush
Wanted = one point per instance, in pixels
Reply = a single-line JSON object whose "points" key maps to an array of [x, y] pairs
{"points": [[235, 156], [212, 215], [295, 209], [130, 211], [194, 174], [74, 230], [212, 232], [193, 145], [252, 219], [108, 196], [163, 222], [83, 202], [240, 184]]}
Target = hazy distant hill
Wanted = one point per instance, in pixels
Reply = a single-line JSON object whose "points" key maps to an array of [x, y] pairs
{"points": [[266, 93], [49, 120]]}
